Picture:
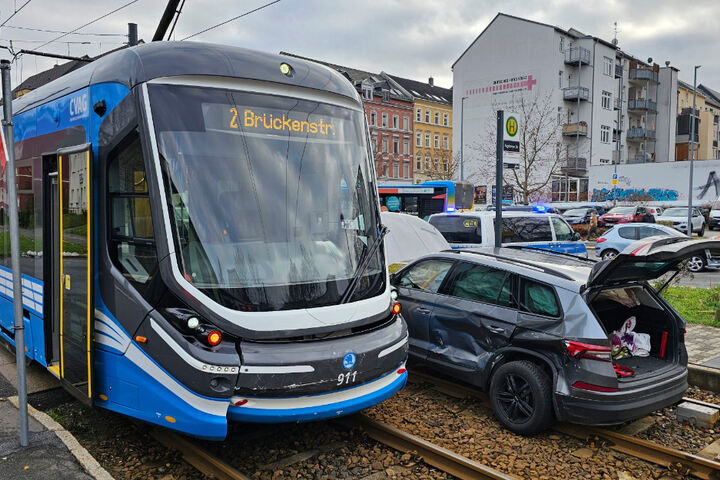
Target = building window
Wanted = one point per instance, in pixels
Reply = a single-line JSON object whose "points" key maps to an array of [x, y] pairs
{"points": [[427, 140], [374, 143], [445, 142], [606, 100], [559, 116], [368, 93], [396, 121], [445, 119], [436, 163], [418, 139], [396, 167], [406, 146], [445, 164], [560, 75], [384, 119], [373, 118], [406, 123], [418, 163], [427, 116], [384, 143], [608, 66], [418, 115], [436, 142], [604, 134], [406, 169], [427, 163], [385, 169], [562, 44], [437, 118], [396, 145]]}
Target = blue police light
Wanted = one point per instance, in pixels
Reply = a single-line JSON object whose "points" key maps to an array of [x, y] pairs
{"points": [[450, 209], [540, 208]]}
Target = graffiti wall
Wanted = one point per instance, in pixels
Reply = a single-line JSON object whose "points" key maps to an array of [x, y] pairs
{"points": [[666, 182]]}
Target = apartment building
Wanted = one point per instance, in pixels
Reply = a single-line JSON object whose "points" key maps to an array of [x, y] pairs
{"points": [[433, 128], [609, 106]]}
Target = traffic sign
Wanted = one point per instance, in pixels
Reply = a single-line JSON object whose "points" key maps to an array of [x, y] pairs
{"points": [[614, 181], [510, 134], [511, 166]]}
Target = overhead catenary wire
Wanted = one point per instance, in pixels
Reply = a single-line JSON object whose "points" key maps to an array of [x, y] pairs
{"points": [[45, 30], [231, 20], [86, 24], [15, 13]]}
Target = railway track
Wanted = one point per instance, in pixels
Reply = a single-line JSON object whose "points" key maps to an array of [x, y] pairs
{"points": [[677, 461], [434, 455]]}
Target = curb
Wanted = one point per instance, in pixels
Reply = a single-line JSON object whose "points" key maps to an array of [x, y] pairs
{"points": [[87, 461], [704, 377]]}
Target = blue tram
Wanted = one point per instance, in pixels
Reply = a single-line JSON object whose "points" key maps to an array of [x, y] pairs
{"points": [[200, 239]]}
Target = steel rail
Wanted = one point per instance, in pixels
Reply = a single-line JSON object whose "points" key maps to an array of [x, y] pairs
{"points": [[202, 460], [439, 457], [674, 460]]}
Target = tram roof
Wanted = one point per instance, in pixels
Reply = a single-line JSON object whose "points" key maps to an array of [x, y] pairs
{"points": [[135, 65]]}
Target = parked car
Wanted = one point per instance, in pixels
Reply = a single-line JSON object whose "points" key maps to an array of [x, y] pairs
{"points": [[679, 215], [655, 212], [625, 215], [532, 329], [579, 216], [714, 216], [477, 229], [615, 240]]}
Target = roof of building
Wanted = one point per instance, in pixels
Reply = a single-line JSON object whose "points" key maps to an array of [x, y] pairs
{"points": [[134, 65], [571, 32], [357, 77], [711, 95], [425, 91]]}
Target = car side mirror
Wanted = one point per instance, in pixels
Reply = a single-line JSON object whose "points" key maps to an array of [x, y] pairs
{"points": [[393, 276], [576, 236]]}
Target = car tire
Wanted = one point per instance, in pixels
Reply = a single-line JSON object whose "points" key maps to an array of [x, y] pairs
{"points": [[608, 254], [702, 231], [696, 263], [521, 397]]}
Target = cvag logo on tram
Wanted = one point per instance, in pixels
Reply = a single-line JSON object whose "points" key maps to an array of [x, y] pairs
{"points": [[78, 106]]}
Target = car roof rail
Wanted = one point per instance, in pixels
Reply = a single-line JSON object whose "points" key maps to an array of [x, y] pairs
{"points": [[514, 261], [550, 252]]}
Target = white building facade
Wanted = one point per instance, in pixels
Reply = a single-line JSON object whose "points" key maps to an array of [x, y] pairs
{"points": [[608, 106]]}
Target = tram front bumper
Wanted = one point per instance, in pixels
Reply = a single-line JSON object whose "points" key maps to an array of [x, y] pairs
{"points": [[317, 407]]}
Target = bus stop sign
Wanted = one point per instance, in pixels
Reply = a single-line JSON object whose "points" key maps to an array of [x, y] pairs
{"points": [[510, 144]]}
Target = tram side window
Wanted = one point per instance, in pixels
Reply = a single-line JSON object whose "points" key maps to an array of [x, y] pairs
{"points": [[131, 229]]}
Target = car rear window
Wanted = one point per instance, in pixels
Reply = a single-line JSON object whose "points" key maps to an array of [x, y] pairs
{"points": [[484, 284], [538, 298], [534, 228], [458, 228]]}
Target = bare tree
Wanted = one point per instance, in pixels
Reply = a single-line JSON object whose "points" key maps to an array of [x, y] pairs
{"points": [[539, 158], [446, 168]]}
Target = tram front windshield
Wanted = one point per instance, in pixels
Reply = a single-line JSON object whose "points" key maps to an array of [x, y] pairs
{"points": [[271, 198]]}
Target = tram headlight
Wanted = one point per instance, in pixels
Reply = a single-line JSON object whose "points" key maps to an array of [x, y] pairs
{"points": [[393, 295], [286, 69], [193, 323]]}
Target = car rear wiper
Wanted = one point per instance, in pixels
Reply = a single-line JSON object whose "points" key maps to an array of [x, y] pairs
{"points": [[369, 252]]}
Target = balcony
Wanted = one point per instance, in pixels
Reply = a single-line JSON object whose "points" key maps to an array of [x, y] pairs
{"points": [[640, 134], [641, 158], [574, 166], [575, 129], [576, 93], [685, 138], [577, 56], [642, 105], [618, 71], [715, 143], [643, 74], [689, 111]]}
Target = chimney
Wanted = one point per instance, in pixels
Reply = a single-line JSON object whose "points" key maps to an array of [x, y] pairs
{"points": [[431, 82], [132, 34]]}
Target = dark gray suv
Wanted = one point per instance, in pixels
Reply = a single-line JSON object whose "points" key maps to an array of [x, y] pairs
{"points": [[533, 329]]}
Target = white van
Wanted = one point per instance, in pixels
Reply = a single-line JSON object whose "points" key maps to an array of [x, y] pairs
{"points": [[548, 231], [714, 217]]}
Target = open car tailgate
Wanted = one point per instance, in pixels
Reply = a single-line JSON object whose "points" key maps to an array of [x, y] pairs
{"points": [[648, 259]]}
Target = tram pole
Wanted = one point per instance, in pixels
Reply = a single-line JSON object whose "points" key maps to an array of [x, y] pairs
{"points": [[12, 201]]}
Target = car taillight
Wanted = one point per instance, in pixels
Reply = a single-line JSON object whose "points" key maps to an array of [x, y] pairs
{"points": [[594, 388], [214, 338], [588, 351], [601, 239]]}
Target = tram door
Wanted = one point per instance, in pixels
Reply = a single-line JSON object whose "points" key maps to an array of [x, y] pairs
{"points": [[71, 264]]}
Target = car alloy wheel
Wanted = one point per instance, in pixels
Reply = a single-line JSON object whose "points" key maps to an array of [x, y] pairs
{"points": [[695, 264], [608, 254], [521, 395]]}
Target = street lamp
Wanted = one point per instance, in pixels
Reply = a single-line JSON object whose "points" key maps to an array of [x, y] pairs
{"points": [[692, 153], [462, 143]]}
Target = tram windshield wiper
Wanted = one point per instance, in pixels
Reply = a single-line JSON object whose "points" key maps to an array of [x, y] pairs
{"points": [[368, 254]]}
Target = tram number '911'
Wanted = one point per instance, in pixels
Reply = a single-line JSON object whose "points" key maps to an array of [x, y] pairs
{"points": [[346, 378]]}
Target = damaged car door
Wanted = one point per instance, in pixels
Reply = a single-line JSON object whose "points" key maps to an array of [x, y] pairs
{"points": [[417, 286], [476, 317]]}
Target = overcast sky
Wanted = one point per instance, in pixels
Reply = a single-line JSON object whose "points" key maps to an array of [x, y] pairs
{"points": [[410, 38]]}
